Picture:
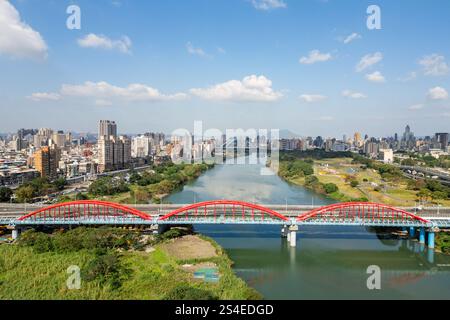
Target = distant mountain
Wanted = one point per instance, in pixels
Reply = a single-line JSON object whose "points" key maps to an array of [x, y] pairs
{"points": [[287, 134]]}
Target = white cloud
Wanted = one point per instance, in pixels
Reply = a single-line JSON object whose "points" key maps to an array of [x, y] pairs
{"points": [[315, 56], [17, 39], [268, 4], [221, 50], [103, 91], [410, 76], [375, 77], [310, 98], [39, 96], [353, 95], [326, 118], [252, 88], [102, 42], [368, 61], [437, 93], [196, 51], [133, 92], [434, 65], [416, 107], [352, 37]]}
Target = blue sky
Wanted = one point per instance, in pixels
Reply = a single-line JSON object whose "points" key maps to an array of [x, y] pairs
{"points": [[160, 65]]}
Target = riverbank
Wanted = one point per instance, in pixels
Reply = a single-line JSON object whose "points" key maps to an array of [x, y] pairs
{"points": [[442, 242], [345, 179], [117, 264], [150, 186]]}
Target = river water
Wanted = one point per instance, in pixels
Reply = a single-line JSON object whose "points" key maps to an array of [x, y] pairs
{"points": [[328, 262]]}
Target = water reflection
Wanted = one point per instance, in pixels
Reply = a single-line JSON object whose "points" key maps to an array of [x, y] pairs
{"points": [[328, 262]]}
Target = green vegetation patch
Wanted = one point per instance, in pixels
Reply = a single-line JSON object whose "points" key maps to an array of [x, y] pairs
{"points": [[113, 263]]}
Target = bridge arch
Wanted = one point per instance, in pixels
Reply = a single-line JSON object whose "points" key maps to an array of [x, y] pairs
{"points": [[364, 212], [84, 210], [224, 211]]}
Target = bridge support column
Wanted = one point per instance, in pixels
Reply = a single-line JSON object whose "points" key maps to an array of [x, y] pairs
{"points": [[422, 235], [161, 228], [15, 233], [284, 231], [412, 232], [431, 234], [293, 236]]}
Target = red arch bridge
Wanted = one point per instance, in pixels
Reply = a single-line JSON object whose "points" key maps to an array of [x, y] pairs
{"points": [[224, 212], [91, 213]]}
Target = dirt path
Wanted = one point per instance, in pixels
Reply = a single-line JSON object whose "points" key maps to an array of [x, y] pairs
{"points": [[190, 247]]}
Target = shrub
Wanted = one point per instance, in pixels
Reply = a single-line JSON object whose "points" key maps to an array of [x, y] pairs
{"points": [[5, 194], [108, 186], [174, 233], [107, 269], [186, 292], [354, 183], [311, 180], [40, 242], [330, 188]]}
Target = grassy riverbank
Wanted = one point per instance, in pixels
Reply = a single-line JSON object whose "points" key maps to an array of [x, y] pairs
{"points": [[116, 264], [353, 178], [442, 242], [149, 186]]}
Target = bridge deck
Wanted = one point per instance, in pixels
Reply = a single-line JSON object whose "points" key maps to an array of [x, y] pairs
{"points": [[222, 212]]}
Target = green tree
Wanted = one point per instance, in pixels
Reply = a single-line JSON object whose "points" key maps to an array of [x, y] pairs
{"points": [[424, 194], [140, 195], [81, 196], [330, 188], [5, 194], [25, 193], [108, 186], [60, 183], [354, 183], [107, 269]]}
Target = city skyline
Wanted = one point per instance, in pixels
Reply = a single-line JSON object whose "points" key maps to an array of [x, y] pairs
{"points": [[283, 133], [316, 69]]}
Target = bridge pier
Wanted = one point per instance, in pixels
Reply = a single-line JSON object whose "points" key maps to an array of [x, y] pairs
{"points": [[292, 236], [431, 236], [422, 235], [15, 233], [160, 229], [412, 232], [284, 231]]}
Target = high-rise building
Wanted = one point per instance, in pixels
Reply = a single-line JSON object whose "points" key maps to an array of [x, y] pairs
{"points": [[141, 146], [408, 135], [357, 140], [443, 139], [46, 162], [107, 128], [114, 153], [105, 154], [61, 139], [371, 148]]}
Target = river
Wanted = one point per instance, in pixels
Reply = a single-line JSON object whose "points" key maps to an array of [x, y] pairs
{"points": [[328, 262]]}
